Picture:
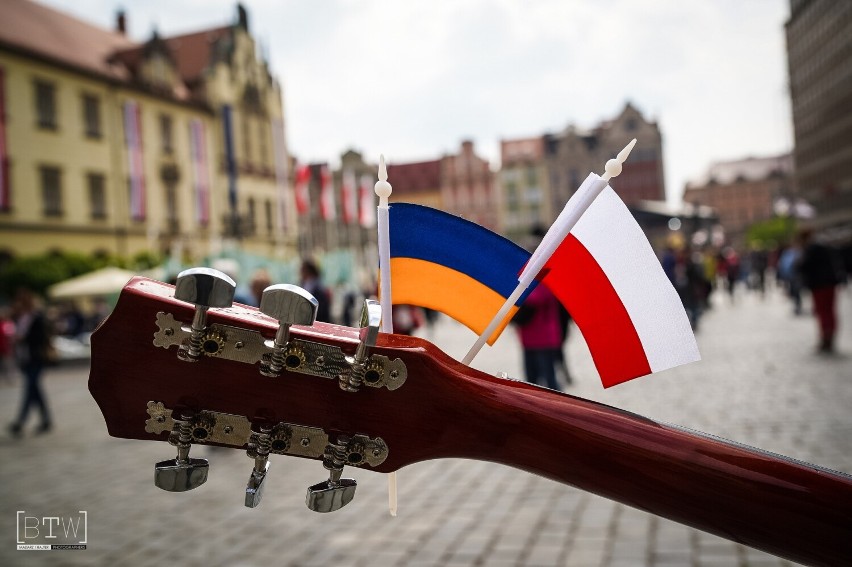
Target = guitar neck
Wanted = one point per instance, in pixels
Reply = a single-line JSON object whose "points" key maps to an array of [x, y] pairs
{"points": [[786, 507], [446, 409]]}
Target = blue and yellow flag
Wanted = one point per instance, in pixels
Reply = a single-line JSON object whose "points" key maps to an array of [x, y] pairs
{"points": [[446, 263]]}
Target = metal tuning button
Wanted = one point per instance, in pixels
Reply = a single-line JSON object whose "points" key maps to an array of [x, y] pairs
{"points": [[290, 305], [260, 444], [334, 493], [205, 288], [371, 318], [181, 473]]}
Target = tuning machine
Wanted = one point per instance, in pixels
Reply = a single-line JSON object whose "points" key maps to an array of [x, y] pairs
{"points": [[371, 318], [289, 305], [336, 492], [204, 288], [182, 473]]}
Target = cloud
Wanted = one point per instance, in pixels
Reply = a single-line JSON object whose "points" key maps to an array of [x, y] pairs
{"points": [[412, 79]]}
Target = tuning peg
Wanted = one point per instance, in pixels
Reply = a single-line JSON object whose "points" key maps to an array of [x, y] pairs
{"points": [[259, 447], [205, 288], [334, 493], [371, 318], [290, 305], [181, 473]]}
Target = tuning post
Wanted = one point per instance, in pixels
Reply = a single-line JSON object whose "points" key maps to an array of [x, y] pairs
{"points": [[204, 288], [290, 305], [336, 492], [183, 473], [259, 448], [361, 368]]}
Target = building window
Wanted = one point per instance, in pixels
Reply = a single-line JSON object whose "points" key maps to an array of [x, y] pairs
{"points": [[51, 191], [247, 139], [92, 116], [97, 195], [172, 218], [251, 216], [166, 134], [45, 94], [269, 223]]}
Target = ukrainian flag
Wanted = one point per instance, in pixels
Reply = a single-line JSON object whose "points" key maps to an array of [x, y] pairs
{"points": [[443, 262]]}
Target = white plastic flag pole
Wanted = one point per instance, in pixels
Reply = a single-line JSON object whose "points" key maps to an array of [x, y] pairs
{"points": [[579, 202], [383, 190]]}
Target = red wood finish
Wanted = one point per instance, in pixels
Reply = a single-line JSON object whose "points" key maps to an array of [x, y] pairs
{"points": [[446, 409]]}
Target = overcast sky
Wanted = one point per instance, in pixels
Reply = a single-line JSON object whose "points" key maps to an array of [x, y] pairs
{"points": [[411, 79]]}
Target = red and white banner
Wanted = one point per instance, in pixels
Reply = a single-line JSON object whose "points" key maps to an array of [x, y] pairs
{"points": [[200, 170], [301, 189], [366, 202], [327, 206], [5, 190], [607, 275], [279, 147], [135, 164], [349, 197]]}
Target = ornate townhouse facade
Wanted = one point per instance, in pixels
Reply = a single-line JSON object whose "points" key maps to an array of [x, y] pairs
{"points": [[113, 146]]}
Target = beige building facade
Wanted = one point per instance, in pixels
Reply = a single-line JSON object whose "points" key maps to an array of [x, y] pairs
{"points": [[119, 147]]}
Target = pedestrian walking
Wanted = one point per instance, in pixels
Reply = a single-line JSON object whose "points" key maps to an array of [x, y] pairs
{"points": [[822, 272], [541, 337], [32, 345], [311, 281]]}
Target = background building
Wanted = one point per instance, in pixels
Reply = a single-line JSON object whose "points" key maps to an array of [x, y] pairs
{"points": [[522, 179], [819, 56], [743, 192], [538, 175], [467, 187], [119, 147]]}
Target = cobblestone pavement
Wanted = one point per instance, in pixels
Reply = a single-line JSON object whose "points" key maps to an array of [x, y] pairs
{"points": [[759, 383]]}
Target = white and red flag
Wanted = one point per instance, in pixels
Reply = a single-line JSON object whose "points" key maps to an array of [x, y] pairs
{"points": [[349, 196], [609, 278], [300, 189], [366, 202], [327, 206], [599, 264]]}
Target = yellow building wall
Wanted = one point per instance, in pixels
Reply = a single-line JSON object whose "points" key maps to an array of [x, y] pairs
{"points": [[26, 230]]}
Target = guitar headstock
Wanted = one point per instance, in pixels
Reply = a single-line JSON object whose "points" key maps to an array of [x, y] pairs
{"points": [[182, 365]]}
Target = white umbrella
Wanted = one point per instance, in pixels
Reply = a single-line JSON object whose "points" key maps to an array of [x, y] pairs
{"points": [[106, 281]]}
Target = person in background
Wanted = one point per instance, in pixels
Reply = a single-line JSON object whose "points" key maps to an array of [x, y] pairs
{"points": [[260, 280], [310, 280], [561, 362], [788, 275], [32, 341], [407, 319], [541, 337], [822, 272], [7, 340]]}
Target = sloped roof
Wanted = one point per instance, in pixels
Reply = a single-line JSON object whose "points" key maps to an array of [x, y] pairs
{"points": [[190, 52], [43, 32], [56, 36]]}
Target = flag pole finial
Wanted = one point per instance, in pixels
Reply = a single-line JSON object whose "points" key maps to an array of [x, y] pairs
{"points": [[383, 189], [613, 166]]}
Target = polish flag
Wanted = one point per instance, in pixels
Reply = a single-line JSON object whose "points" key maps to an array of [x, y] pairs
{"points": [[609, 278], [327, 208], [348, 194], [300, 189]]}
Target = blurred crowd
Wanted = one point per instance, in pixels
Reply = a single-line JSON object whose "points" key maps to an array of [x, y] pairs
{"points": [[34, 335], [804, 265]]}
